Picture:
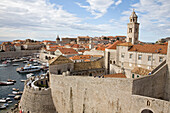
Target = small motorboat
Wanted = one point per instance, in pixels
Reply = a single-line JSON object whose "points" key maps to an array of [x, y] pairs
{"points": [[30, 75], [7, 99], [10, 80], [9, 61], [20, 93], [3, 65], [9, 102], [14, 92], [3, 100], [15, 64], [17, 97], [16, 60], [23, 80], [4, 83], [11, 95], [2, 107], [15, 89]]}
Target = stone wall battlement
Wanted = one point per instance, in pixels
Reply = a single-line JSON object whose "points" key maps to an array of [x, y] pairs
{"points": [[33, 87]]}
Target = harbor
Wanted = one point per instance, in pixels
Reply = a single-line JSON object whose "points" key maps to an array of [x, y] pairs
{"points": [[13, 91]]}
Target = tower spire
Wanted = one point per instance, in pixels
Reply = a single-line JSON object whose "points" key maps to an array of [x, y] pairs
{"points": [[133, 29]]}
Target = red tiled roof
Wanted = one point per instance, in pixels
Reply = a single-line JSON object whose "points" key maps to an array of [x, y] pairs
{"points": [[150, 48], [117, 75], [125, 44], [80, 57], [67, 51], [84, 50], [113, 46], [100, 48]]}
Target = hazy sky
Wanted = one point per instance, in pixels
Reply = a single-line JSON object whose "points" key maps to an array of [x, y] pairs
{"points": [[44, 19]]}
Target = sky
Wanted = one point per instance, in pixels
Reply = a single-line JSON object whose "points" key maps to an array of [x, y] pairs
{"points": [[45, 19]]}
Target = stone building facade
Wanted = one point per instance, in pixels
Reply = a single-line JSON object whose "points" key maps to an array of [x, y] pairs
{"points": [[131, 54]]}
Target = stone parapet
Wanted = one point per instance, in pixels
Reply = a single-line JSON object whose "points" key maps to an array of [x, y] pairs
{"points": [[36, 100]]}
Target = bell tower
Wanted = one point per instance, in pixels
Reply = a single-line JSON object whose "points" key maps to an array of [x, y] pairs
{"points": [[57, 40], [133, 29]]}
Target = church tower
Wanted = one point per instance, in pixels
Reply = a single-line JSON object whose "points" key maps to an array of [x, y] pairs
{"points": [[58, 39], [91, 46], [133, 29]]}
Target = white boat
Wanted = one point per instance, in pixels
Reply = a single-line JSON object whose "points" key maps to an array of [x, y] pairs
{"points": [[30, 75], [4, 83], [3, 65], [2, 107], [2, 100], [15, 64], [11, 95], [14, 92], [9, 101], [28, 69], [15, 89], [23, 80], [17, 97]]}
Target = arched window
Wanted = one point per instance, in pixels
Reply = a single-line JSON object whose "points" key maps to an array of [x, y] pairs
{"points": [[146, 111]]}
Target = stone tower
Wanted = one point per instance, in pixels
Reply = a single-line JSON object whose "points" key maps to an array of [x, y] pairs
{"points": [[91, 46], [133, 29], [58, 39]]}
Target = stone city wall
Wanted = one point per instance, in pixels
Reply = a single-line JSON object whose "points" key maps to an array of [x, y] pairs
{"points": [[77, 94], [15, 54], [153, 85]]}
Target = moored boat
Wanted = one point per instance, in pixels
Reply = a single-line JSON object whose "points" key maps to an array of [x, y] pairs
{"points": [[9, 101], [11, 95], [28, 69], [3, 100], [3, 65], [23, 80], [15, 89], [4, 83], [2, 107], [17, 97], [10, 80]]}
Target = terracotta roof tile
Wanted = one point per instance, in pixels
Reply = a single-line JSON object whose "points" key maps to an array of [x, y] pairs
{"points": [[125, 44], [67, 51], [141, 71], [117, 75], [150, 48], [113, 46]]}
